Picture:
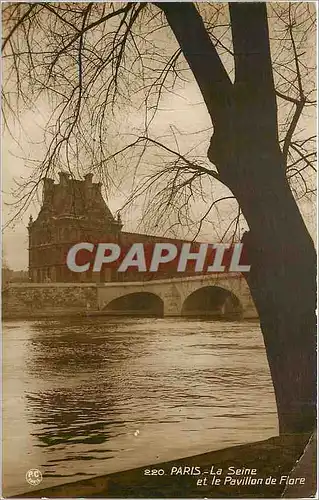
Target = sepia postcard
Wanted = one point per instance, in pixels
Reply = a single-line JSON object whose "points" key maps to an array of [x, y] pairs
{"points": [[159, 262]]}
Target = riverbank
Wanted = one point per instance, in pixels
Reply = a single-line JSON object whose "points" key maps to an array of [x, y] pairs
{"points": [[67, 313], [82, 313], [287, 455]]}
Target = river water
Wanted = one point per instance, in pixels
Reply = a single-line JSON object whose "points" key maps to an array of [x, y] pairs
{"points": [[94, 396]]}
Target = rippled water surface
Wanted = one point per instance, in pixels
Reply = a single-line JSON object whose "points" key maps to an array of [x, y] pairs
{"points": [[89, 397]]}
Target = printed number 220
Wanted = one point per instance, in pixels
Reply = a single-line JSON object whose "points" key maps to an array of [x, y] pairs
{"points": [[154, 472]]}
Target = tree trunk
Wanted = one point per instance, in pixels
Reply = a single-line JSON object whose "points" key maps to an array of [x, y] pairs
{"points": [[246, 152], [282, 279], [283, 286], [280, 250]]}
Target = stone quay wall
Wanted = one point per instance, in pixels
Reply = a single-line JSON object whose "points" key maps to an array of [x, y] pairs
{"points": [[45, 299]]}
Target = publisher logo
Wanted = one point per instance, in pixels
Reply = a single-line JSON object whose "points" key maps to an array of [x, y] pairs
{"points": [[33, 477]]}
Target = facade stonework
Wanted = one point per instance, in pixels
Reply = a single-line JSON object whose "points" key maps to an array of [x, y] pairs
{"points": [[171, 297], [48, 299], [74, 211]]}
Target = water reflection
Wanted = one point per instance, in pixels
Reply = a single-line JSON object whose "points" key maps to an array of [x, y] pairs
{"points": [[86, 387], [64, 418]]}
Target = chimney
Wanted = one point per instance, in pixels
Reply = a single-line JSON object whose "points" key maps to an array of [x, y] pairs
{"points": [[88, 178], [47, 189], [64, 178]]}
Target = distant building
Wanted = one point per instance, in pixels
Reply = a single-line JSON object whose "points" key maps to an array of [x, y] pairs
{"points": [[74, 211], [9, 276], [6, 275]]}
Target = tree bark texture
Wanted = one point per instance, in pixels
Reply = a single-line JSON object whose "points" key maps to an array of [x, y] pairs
{"points": [[246, 151]]}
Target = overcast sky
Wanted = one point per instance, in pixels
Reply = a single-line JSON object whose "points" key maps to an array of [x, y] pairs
{"points": [[184, 111]]}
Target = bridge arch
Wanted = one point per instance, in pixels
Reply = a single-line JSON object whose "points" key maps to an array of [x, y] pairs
{"points": [[212, 301], [136, 304]]}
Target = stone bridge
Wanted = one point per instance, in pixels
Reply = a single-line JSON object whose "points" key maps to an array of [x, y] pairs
{"points": [[217, 295], [225, 295]]}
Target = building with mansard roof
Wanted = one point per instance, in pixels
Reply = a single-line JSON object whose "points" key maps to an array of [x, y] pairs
{"points": [[74, 211]]}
